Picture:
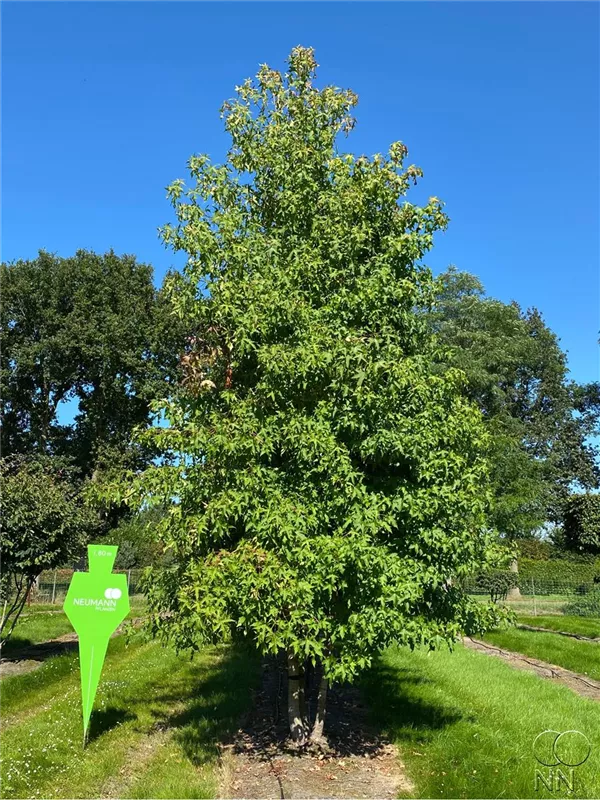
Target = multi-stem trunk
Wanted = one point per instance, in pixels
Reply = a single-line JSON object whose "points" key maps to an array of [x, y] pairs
{"points": [[296, 703]]}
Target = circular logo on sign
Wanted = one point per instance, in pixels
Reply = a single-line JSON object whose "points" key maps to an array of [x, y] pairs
{"points": [[112, 594]]}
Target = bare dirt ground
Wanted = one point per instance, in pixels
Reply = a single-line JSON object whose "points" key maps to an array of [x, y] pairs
{"points": [[586, 687], [356, 762]]}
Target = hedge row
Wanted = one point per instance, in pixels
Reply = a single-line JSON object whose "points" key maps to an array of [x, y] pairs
{"points": [[564, 571]]}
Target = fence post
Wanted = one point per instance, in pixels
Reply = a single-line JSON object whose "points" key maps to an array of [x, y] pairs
{"points": [[533, 593], [128, 578], [54, 588]]}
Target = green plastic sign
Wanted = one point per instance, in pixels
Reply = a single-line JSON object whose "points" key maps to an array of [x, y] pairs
{"points": [[96, 604]]}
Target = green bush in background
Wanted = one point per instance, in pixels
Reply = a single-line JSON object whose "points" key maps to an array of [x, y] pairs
{"points": [[568, 571], [496, 583], [586, 606]]}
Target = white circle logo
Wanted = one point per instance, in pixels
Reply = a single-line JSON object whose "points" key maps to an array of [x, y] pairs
{"points": [[112, 594]]}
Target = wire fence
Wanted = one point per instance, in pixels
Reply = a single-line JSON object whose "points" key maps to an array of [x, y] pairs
{"points": [[533, 596], [52, 586], [540, 597]]}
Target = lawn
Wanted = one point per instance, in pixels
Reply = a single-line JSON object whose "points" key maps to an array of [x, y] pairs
{"points": [[154, 729], [465, 723], [573, 654], [539, 604], [584, 626], [34, 627], [40, 623]]}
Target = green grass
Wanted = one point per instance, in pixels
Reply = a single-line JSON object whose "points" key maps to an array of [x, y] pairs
{"points": [[40, 623], [573, 654], [584, 626], [35, 628], [153, 733], [540, 604], [465, 723]]}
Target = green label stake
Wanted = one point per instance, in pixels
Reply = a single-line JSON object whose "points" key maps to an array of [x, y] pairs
{"points": [[96, 604]]}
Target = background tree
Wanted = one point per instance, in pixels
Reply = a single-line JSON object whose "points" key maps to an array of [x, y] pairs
{"points": [[137, 539], [581, 526], [43, 524], [540, 423], [324, 487], [89, 330]]}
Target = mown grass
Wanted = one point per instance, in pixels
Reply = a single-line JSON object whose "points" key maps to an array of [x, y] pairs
{"points": [[573, 654], [37, 627], [40, 623], [540, 604], [154, 729], [584, 626], [465, 723]]}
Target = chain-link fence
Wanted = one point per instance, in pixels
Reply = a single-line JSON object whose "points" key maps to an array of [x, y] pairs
{"points": [[539, 597], [533, 596], [52, 586]]}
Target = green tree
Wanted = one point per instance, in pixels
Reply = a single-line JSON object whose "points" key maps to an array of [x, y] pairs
{"points": [[90, 329], [581, 525], [43, 524], [540, 422], [326, 490], [137, 539]]}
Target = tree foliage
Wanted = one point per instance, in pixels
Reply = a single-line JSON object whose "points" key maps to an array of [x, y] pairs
{"points": [[581, 523], [540, 423], [137, 540], [43, 525], [90, 330], [328, 484]]}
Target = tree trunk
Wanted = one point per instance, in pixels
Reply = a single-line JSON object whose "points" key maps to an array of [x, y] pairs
{"points": [[296, 706], [317, 731], [515, 592]]}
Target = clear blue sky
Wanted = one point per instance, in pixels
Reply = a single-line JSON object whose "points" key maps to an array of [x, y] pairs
{"points": [[103, 103]]}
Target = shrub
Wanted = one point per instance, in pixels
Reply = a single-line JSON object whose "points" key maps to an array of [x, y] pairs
{"points": [[537, 550], [586, 606], [568, 571], [497, 583]]}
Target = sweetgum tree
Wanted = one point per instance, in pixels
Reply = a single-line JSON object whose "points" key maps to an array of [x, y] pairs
{"points": [[326, 487]]}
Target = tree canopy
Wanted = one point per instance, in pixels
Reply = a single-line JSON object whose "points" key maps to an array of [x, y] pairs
{"points": [[325, 485], [540, 422], [582, 523], [90, 330], [43, 524]]}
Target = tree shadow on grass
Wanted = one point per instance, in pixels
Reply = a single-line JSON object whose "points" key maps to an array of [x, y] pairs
{"points": [[17, 649], [395, 707], [104, 720], [215, 699], [264, 734]]}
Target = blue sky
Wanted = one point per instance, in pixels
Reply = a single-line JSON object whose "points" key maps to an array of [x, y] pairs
{"points": [[103, 103]]}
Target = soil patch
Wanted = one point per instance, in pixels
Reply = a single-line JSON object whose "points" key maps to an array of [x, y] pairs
{"points": [[584, 686], [356, 762]]}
